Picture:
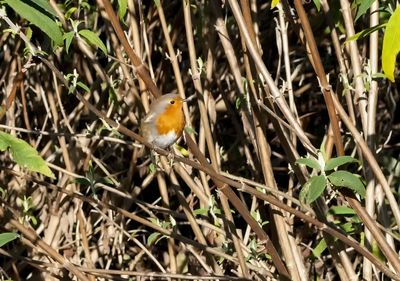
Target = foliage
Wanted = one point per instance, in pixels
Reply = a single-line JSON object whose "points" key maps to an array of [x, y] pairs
{"points": [[7, 237], [75, 95], [27, 210], [41, 14], [391, 44], [24, 154], [316, 185]]}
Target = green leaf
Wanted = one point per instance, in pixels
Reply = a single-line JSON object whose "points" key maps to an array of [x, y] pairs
{"points": [[83, 86], [201, 212], [152, 238], [364, 33], [274, 3], [376, 251], [122, 8], [238, 102], [363, 8], [33, 220], [338, 161], [24, 154], [182, 150], [85, 5], [348, 227], [340, 210], [36, 17], [313, 164], [378, 75], [7, 237], [317, 187], [157, 3], [69, 13], [112, 96], [312, 189], [3, 193], [320, 248], [349, 180], [44, 4], [93, 39], [106, 180], [83, 181], [391, 44], [152, 168], [68, 39], [317, 4], [190, 130]]}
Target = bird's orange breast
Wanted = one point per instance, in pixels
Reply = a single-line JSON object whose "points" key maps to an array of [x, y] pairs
{"points": [[171, 119]]}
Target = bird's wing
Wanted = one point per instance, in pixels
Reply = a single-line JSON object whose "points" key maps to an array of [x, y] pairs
{"points": [[149, 117]]}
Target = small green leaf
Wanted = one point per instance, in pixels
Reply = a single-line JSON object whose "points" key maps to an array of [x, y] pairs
{"points": [[217, 211], [85, 5], [238, 102], [24, 154], [340, 210], [107, 181], [303, 192], [182, 150], [256, 215], [93, 39], [7, 237], [157, 3], [36, 17], [348, 227], [317, 4], [376, 251], [338, 161], [201, 211], [349, 180], [68, 39], [44, 4], [112, 96], [312, 189], [313, 164], [69, 13], [378, 75], [364, 33], [122, 8], [155, 221], [274, 3], [200, 64], [317, 187], [190, 130], [320, 248], [83, 181], [152, 168], [33, 220], [363, 8], [83, 86], [3, 192], [153, 238], [391, 44]]}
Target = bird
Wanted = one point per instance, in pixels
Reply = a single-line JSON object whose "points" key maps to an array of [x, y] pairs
{"points": [[164, 123]]}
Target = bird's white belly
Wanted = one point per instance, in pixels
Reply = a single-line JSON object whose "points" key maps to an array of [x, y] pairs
{"points": [[163, 141]]}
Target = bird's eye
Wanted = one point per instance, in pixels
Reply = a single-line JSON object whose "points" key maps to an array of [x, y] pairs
{"points": [[172, 102]]}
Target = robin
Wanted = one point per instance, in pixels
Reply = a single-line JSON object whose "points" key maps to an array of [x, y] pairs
{"points": [[164, 123]]}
